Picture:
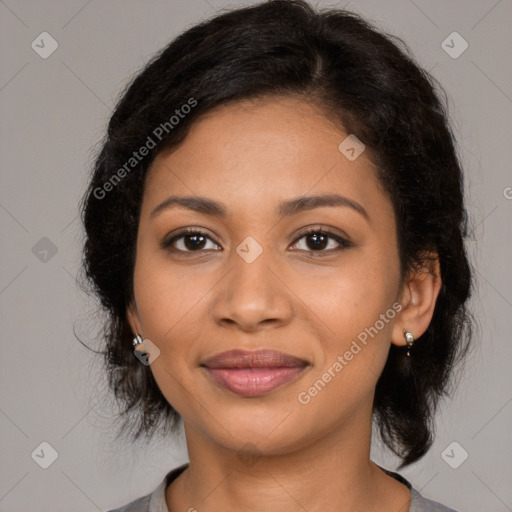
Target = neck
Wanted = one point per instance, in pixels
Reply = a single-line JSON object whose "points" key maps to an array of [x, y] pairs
{"points": [[333, 472]]}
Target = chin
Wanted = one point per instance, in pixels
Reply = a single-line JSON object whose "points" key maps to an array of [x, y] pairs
{"points": [[270, 433]]}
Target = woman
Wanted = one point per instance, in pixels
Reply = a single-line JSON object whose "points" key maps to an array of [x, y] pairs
{"points": [[275, 226]]}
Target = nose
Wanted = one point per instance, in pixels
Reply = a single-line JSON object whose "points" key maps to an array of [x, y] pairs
{"points": [[253, 296]]}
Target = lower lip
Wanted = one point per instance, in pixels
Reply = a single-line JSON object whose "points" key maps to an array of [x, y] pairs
{"points": [[253, 381]]}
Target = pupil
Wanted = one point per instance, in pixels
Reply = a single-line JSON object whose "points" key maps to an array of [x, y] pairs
{"points": [[316, 236], [194, 245], [319, 241]]}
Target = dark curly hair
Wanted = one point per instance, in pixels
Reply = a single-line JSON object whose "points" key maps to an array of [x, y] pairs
{"points": [[371, 85]]}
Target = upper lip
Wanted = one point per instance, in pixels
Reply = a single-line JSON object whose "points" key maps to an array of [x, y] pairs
{"points": [[254, 359]]}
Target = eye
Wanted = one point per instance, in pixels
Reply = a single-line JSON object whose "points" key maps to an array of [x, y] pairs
{"points": [[318, 240], [188, 240]]}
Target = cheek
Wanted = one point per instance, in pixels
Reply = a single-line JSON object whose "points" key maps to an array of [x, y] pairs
{"points": [[167, 295], [353, 295], [170, 308], [356, 306], [360, 317]]}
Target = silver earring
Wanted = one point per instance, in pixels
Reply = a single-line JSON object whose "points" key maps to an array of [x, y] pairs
{"points": [[138, 342], [409, 339]]}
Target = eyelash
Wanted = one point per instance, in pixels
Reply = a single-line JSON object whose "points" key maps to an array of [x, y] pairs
{"points": [[344, 243]]}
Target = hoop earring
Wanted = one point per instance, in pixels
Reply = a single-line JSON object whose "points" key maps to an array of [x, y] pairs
{"points": [[409, 339]]}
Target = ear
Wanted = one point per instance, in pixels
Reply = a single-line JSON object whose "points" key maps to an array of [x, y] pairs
{"points": [[132, 316], [418, 299]]}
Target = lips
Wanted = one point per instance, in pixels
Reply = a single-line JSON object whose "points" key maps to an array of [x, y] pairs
{"points": [[257, 359], [253, 373]]}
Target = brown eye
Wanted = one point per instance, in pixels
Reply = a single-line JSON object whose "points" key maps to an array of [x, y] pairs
{"points": [[188, 241], [317, 240]]}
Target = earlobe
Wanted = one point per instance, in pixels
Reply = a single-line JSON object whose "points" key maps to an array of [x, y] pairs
{"points": [[420, 293]]}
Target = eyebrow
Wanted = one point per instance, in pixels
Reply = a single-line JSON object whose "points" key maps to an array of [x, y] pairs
{"points": [[214, 208]]}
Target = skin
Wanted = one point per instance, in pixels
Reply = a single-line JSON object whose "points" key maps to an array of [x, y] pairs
{"points": [[294, 298]]}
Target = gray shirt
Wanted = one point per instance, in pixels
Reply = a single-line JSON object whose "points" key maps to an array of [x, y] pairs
{"points": [[155, 502]]}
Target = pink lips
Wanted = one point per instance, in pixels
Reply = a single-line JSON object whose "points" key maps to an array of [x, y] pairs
{"points": [[253, 373]]}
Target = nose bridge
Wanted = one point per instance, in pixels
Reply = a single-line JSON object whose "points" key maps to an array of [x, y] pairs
{"points": [[251, 293]]}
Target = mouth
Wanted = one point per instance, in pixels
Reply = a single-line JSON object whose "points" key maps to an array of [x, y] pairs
{"points": [[253, 373]]}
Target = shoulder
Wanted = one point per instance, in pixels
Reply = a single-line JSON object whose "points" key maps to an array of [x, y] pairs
{"points": [[422, 504], [155, 501], [418, 502], [138, 505]]}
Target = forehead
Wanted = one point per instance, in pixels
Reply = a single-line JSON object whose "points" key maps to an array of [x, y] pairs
{"points": [[252, 153]]}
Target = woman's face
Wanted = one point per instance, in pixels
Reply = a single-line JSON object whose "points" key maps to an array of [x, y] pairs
{"points": [[254, 280]]}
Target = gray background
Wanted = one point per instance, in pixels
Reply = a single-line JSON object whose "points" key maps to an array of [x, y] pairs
{"points": [[54, 110]]}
